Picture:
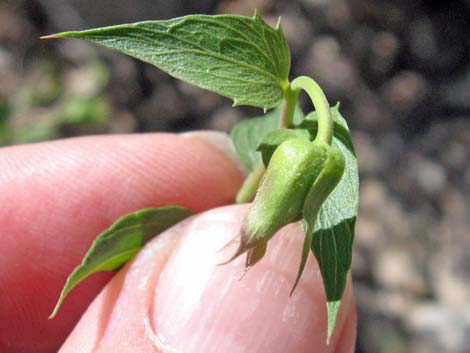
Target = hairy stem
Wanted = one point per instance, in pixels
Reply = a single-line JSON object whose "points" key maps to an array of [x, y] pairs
{"points": [[325, 120]]}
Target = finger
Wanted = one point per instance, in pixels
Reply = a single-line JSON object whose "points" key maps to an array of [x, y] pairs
{"points": [[57, 197], [173, 297], [347, 337]]}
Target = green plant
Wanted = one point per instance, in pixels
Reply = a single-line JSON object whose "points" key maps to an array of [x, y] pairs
{"points": [[302, 168]]}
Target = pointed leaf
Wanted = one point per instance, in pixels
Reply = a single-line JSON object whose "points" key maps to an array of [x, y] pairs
{"points": [[239, 57], [334, 226], [115, 246]]}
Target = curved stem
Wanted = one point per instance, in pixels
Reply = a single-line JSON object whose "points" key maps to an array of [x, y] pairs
{"points": [[288, 107], [325, 120]]}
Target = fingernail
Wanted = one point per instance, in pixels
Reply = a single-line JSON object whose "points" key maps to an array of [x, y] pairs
{"points": [[219, 140], [203, 307]]}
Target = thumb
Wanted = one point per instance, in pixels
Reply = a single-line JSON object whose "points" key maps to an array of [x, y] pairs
{"points": [[173, 297]]}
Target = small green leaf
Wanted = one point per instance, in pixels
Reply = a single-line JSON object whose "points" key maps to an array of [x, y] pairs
{"points": [[239, 57], [115, 246], [334, 227], [248, 134], [272, 140]]}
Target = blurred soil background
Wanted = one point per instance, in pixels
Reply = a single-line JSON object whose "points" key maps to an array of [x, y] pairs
{"points": [[401, 70]]}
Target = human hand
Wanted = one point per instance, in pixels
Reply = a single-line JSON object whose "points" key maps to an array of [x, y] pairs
{"points": [[56, 197]]}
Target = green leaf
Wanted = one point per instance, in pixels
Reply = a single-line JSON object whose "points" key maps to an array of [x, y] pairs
{"points": [[239, 57], [248, 134], [120, 242], [334, 227], [272, 140]]}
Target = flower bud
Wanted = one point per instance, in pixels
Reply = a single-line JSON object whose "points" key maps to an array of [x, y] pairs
{"points": [[293, 168]]}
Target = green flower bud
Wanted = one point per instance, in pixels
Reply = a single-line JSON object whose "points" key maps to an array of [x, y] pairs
{"points": [[292, 170]]}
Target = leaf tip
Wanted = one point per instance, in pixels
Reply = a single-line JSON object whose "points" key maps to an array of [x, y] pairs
{"points": [[53, 314], [293, 287], [51, 36], [57, 307], [279, 24], [303, 260], [59, 35], [332, 308]]}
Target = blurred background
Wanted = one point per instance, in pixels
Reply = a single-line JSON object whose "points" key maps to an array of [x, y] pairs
{"points": [[401, 70]]}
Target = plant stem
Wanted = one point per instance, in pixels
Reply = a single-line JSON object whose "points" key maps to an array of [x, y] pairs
{"points": [[325, 120], [248, 190], [288, 107]]}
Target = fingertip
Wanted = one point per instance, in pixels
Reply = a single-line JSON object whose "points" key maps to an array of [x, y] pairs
{"points": [[217, 312], [189, 303]]}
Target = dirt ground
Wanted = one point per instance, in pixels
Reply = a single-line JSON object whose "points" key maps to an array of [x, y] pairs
{"points": [[401, 70]]}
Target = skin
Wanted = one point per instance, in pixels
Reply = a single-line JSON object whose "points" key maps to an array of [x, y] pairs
{"points": [[56, 197]]}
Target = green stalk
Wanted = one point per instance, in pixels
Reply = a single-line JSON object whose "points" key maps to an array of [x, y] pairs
{"points": [[325, 120], [248, 190], [288, 107]]}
